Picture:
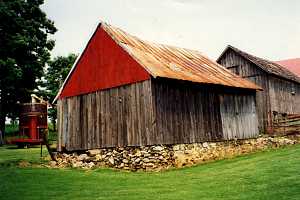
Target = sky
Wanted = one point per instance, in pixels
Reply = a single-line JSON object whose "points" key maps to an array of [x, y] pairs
{"points": [[267, 28]]}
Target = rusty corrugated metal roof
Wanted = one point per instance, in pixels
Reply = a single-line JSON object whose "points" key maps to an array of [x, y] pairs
{"points": [[176, 63]]}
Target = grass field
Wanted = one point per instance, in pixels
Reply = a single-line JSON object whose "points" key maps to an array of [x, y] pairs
{"points": [[270, 175]]}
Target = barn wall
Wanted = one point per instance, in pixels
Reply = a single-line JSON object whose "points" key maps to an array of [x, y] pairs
{"points": [[238, 114], [115, 117], [158, 111], [262, 101], [284, 96], [239, 65], [187, 113]]}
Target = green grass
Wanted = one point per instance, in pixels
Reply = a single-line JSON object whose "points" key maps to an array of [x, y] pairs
{"points": [[273, 175], [10, 155]]}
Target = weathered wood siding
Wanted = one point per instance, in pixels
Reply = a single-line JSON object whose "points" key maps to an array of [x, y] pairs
{"points": [[238, 114], [186, 113], [115, 117], [248, 70], [156, 111], [284, 96]]}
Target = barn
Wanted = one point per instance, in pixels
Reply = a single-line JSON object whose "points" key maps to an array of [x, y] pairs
{"points": [[124, 91], [281, 87]]}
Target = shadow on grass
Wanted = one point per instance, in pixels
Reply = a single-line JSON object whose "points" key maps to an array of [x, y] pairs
{"points": [[11, 147], [6, 164], [16, 147], [21, 163]]}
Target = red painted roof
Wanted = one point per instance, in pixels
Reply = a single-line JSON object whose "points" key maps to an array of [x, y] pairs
{"points": [[291, 64]]}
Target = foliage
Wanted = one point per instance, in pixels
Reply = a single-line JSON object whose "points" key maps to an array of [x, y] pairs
{"points": [[25, 48], [11, 129], [52, 134], [56, 73], [272, 175]]}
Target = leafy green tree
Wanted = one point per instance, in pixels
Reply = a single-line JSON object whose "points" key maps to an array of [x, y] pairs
{"points": [[56, 73], [24, 50]]}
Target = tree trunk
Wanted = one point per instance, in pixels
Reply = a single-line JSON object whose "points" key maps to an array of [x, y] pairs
{"points": [[2, 126], [2, 121], [45, 139]]}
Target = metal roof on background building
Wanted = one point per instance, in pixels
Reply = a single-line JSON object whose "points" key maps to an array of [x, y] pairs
{"points": [[291, 64], [266, 65], [176, 63]]}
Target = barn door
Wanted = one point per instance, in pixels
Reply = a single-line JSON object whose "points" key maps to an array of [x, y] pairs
{"points": [[239, 119]]}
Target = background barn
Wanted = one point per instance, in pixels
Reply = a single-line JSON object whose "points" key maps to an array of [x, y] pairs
{"points": [[125, 91], [281, 87]]}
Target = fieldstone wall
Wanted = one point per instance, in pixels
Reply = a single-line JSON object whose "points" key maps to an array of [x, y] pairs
{"points": [[160, 157]]}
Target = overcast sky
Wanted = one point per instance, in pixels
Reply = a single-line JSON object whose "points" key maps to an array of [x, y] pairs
{"points": [[265, 28]]}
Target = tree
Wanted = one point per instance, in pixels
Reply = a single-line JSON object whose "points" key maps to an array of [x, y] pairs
{"points": [[56, 73], [25, 48]]}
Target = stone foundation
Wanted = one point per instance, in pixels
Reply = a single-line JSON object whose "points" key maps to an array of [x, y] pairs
{"points": [[160, 157]]}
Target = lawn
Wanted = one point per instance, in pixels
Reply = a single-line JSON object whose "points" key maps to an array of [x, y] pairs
{"points": [[273, 174]]}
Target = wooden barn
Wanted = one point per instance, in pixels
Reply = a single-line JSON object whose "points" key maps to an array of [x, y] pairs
{"points": [[123, 91], [281, 87]]}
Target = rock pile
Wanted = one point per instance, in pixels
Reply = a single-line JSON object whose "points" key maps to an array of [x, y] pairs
{"points": [[159, 157], [190, 154], [128, 158]]}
